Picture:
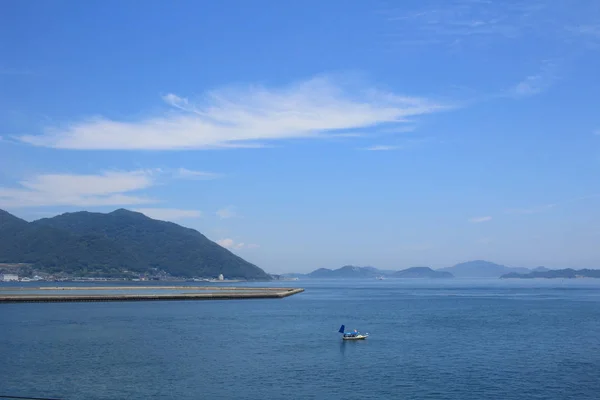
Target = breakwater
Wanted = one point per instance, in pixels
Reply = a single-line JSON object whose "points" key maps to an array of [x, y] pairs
{"points": [[127, 293]]}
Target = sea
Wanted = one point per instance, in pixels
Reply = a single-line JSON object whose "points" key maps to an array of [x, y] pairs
{"points": [[428, 339]]}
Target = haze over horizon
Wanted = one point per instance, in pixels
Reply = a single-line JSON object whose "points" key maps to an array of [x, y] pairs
{"points": [[314, 134]]}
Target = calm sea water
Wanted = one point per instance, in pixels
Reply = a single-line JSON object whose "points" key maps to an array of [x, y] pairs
{"points": [[455, 339]]}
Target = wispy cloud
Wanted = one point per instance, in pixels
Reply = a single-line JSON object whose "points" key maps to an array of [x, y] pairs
{"points": [[531, 85], [229, 243], [169, 214], [185, 173], [401, 144], [244, 117], [478, 220], [458, 24], [382, 148], [537, 83], [597, 132], [452, 22], [550, 206], [226, 212], [107, 188]]}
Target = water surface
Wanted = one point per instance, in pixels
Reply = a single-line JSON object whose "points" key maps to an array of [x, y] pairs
{"points": [[430, 339]]}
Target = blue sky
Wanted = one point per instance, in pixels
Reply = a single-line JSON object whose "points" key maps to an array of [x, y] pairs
{"points": [[316, 133]]}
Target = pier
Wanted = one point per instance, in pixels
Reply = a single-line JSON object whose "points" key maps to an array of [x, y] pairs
{"points": [[127, 293]]}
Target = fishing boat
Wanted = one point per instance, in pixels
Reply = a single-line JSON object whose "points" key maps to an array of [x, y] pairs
{"points": [[353, 335]]}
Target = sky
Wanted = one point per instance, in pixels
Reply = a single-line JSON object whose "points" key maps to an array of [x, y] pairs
{"points": [[308, 134]]}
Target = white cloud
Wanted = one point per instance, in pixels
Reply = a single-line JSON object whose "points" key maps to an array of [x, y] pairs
{"points": [[535, 84], [169, 214], [382, 148], [108, 188], [232, 244], [227, 243], [404, 144], [234, 117], [531, 85], [477, 220], [185, 173], [226, 212]]}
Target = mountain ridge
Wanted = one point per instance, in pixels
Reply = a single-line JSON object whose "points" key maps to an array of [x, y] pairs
{"points": [[468, 269], [93, 244], [355, 272], [421, 272], [481, 269]]}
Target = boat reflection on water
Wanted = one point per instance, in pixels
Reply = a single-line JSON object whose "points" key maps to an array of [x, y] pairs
{"points": [[343, 347]]}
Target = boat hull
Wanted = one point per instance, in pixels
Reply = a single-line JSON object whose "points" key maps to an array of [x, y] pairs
{"points": [[359, 337]]}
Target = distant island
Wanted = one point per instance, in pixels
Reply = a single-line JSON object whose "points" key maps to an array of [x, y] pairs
{"points": [[119, 244], [354, 272], [469, 269], [567, 273], [421, 272], [347, 271], [482, 269]]}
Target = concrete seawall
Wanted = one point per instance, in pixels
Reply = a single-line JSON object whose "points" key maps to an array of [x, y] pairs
{"points": [[200, 293]]}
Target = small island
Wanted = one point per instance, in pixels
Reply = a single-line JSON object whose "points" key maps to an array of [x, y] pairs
{"points": [[354, 272], [479, 269], [422, 272], [567, 273]]}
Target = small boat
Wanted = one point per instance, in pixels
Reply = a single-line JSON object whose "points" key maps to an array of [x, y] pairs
{"points": [[355, 335]]}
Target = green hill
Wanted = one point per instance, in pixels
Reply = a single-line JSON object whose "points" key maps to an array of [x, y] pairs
{"points": [[97, 244]]}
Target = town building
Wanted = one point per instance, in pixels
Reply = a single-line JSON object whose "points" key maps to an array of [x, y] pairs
{"points": [[9, 277]]}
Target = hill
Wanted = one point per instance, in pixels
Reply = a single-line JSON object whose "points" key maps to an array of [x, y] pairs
{"points": [[96, 244], [345, 272], [421, 272], [354, 272], [481, 269], [55, 250], [470, 269], [568, 273]]}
